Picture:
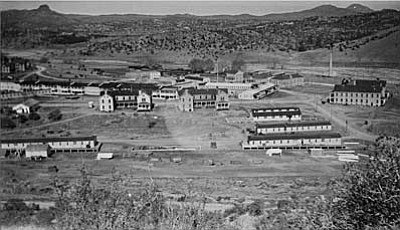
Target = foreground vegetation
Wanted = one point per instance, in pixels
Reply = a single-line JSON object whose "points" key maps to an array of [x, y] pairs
{"points": [[366, 196]]}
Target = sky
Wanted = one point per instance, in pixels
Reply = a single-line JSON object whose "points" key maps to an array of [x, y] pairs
{"points": [[189, 7]]}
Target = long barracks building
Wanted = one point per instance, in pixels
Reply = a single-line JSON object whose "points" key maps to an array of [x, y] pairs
{"points": [[276, 114], [304, 140], [56, 144], [290, 127]]}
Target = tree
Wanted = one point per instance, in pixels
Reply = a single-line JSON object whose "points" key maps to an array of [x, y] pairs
{"points": [[368, 194], [196, 65], [7, 123], [237, 64], [22, 118], [34, 116], [44, 60], [55, 115], [208, 65]]}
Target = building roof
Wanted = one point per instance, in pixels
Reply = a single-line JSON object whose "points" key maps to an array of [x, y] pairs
{"points": [[293, 124], [233, 71], [30, 102], [294, 136], [48, 139], [193, 91], [367, 86], [280, 113], [37, 147], [270, 109], [284, 76]]}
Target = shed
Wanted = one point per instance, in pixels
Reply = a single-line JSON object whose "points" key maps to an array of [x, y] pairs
{"points": [[107, 156], [39, 150], [316, 152], [274, 152], [27, 106]]}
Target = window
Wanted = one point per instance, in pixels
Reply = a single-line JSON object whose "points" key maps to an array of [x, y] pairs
{"points": [[109, 107], [102, 101], [109, 100], [102, 107]]}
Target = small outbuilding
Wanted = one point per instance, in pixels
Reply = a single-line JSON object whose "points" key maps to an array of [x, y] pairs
{"points": [[106, 156], [27, 106], [37, 151]]}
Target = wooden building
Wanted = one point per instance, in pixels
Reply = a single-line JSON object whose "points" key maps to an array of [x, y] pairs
{"points": [[192, 99], [359, 92], [305, 140], [285, 80], [26, 107], [290, 127], [276, 114], [56, 144]]}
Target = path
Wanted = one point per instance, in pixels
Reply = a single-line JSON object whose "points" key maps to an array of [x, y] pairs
{"points": [[341, 121], [39, 72]]}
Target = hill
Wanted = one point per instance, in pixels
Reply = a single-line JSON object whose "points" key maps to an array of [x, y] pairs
{"points": [[42, 17], [359, 8], [376, 52], [320, 11], [45, 17]]}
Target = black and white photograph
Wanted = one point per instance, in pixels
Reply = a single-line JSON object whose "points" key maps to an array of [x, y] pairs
{"points": [[200, 115]]}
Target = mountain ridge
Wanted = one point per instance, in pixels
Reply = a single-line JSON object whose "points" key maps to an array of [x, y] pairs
{"points": [[45, 15]]}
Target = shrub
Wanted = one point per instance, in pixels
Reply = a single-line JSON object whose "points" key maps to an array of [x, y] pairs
{"points": [[368, 194], [7, 123], [85, 206], [22, 118], [34, 116], [55, 115]]}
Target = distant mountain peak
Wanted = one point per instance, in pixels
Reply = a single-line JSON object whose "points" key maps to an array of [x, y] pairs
{"points": [[44, 8], [359, 8]]}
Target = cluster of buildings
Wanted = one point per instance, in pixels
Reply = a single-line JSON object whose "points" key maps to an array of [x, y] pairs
{"points": [[283, 128], [359, 92], [11, 65], [43, 147]]}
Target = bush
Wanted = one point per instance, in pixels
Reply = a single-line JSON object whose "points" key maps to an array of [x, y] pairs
{"points": [[55, 115], [34, 116], [7, 123], [368, 194], [22, 118], [85, 206], [255, 208]]}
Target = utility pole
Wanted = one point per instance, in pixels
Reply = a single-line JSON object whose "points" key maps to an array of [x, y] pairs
{"points": [[217, 69]]}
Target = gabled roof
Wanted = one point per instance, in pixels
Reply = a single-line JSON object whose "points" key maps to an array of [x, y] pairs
{"points": [[193, 91], [47, 140], [294, 136], [292, 124], [232, 71], [30, 102], [284, 76], [364, 86]]}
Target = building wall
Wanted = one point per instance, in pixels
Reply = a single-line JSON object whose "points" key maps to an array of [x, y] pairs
{"points": [[294, 129], [10, 86], [166, 94], [92, 90], [222, 100], [186, 102], [357, 98], [287, 83], [233, 88], [21, 108], [36, 153], [54, 145], [106, 103], [296, 142], [277, 118], [144, 101]]}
